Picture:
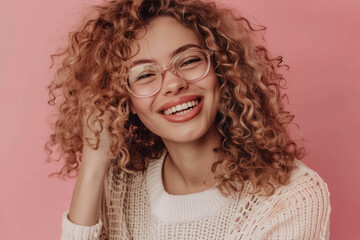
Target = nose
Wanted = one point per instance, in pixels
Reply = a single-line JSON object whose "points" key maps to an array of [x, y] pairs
{"points": [[173, 84]]}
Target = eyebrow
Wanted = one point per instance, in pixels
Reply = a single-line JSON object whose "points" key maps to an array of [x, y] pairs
{"points": [[177, 51]]}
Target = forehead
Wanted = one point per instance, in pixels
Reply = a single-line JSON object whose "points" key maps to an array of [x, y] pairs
{"points": [[161, 37]]}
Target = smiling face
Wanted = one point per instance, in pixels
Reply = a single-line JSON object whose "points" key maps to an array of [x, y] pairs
{"points": [[181, 111]]}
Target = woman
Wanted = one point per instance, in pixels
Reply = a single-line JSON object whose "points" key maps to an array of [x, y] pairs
{"points": [[176, 118]]}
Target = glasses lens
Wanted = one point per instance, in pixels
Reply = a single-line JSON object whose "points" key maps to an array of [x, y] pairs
{"points": [[144, 79], [191, 65]]}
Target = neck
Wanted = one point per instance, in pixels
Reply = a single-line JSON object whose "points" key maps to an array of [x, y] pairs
{"points": [[187, 168]]}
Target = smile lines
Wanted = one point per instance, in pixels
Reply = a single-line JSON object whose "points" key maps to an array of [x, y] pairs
{"points": [[181, 109]]}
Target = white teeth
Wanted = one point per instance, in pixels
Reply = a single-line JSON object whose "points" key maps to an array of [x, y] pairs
{"points": [[181, 108], [182, 112], [178, 108]]}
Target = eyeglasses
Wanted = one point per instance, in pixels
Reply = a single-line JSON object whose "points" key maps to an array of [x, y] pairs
{"points": [[146, 80]]}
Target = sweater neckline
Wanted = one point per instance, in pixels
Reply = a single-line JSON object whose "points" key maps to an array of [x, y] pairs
{"points": [[179, 208]]}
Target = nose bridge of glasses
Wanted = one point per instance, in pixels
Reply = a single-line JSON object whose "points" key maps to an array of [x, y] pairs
{"points": [[173, 82], [170, 67]]}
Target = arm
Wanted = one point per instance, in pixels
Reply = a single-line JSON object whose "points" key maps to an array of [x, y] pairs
{"points": [[82, 221]]}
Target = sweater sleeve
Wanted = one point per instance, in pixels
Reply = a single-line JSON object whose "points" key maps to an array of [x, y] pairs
{"points": [[72, 231], [303, 213]]}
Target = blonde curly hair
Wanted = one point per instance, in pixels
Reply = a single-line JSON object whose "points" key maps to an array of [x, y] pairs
{"points": [[251, 121]]}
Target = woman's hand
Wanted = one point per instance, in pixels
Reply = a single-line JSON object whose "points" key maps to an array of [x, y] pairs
{"points": [[89, 137]]}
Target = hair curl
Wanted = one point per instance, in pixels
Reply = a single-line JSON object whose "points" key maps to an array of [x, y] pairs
{"points": [[255, 145]]}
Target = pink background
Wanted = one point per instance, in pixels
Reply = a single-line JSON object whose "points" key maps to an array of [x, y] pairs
{"points": [[318, 39]]}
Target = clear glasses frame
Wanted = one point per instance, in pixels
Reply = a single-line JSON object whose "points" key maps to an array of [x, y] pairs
{"points": [[170, 67]]}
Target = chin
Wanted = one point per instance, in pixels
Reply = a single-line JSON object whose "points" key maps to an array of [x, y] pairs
{"points": [[190, 135]]}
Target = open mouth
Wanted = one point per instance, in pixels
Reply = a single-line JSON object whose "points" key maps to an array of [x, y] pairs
{"points": [[181, 109]]}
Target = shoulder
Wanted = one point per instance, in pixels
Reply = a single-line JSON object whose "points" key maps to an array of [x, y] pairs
{"points": [[306, 190], [297, 210], [304, 183], [303, 206], [304, 186]]}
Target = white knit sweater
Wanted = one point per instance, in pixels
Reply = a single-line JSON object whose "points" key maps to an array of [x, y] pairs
{"points": [[140, 208]]}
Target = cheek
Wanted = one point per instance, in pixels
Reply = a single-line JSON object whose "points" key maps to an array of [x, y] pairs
{"points": [[141, 107], [213, 82], [216, 92], [137, 105], [214, 86]]}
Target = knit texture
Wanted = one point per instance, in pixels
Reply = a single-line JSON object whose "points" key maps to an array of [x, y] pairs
{"points": [[138, 207], [74, 231]]}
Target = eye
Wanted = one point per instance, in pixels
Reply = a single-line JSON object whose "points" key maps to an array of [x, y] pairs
{"points": [[190, 61], [143, 76]]}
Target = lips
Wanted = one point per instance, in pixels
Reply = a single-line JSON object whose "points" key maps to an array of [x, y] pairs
{"points": [[182, 109]]}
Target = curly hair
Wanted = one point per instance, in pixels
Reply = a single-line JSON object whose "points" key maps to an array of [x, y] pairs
{"points": [[251, 121]]}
